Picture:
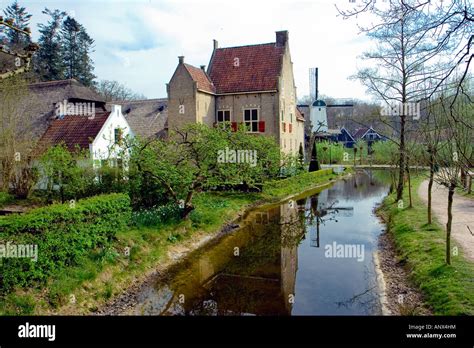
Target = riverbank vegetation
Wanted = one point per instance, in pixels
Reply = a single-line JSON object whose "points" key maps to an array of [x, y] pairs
{"points": [[105, 231], [448, 289]]}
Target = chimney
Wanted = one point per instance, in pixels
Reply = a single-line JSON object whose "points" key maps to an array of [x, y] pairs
{"points": [[116, 109], [216, 44], [281, 37], [203, 68], [181, 59]]}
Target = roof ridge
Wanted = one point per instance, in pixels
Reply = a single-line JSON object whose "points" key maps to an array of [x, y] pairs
{"points": [[55, 82], [137, 101], [261, 44]]}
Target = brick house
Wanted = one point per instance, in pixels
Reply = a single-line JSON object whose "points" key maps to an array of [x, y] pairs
{"points": [[251, 84]]}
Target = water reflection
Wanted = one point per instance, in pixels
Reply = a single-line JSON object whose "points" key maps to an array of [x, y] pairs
{"points": [[277, 263]]}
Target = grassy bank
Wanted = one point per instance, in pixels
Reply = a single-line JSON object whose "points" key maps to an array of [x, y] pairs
{"points": [[448, 290], [138, 252]]}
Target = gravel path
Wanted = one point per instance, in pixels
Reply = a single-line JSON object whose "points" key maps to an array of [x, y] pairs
{"points": [[463, 215]]}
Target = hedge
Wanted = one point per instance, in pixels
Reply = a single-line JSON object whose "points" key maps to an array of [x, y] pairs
{"points": [[63, 234]]}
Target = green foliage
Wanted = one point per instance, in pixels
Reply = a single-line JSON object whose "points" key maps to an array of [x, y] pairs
{"points": [[64, 233], [448, 289], [5, 198], [67, 175], [289, 186], [196, 158], [385, 152], [331, 151], [156, 216]]}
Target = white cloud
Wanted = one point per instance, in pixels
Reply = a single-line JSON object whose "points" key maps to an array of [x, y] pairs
{"points": [[137, 43]]}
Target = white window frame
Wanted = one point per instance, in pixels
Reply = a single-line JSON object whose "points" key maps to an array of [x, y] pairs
{"points": [[251, 121], [224, 110]]}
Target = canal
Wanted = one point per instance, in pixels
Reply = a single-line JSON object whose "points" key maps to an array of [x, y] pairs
{"points": [[312, 255]]}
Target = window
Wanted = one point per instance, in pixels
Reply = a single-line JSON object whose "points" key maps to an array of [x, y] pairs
{"points": [[223, 116], [291, 118], [251, 120], [117, 135], [282, 115]]}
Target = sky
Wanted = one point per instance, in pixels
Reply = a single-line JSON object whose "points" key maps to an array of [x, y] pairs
{"points": [[137, 42]]}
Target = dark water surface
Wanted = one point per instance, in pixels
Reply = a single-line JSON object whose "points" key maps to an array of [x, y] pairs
{"points": [[308, 256]]}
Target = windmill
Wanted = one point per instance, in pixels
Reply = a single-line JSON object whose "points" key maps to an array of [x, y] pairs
{"points": [[318, 117], [317, 108]]}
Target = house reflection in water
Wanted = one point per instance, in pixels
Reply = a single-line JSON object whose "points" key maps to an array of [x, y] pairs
{"points": [[251, 271]]}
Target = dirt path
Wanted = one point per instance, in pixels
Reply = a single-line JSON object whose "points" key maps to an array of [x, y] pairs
{"points": [[463, 215]]}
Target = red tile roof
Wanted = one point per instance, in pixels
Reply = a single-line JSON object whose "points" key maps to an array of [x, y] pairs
{"points": [[73, 130], [200, 76], [258, 68]]}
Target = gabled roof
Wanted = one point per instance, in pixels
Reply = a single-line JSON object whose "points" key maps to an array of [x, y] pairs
{"points": [[198, 75], [147, 118], [71, 89], [359, 133], [250, 68], [347, 132], [44, 96], [73, 130]]}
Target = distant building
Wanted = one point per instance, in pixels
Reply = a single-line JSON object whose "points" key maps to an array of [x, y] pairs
{"points": [[148, 118], [251, 85]]}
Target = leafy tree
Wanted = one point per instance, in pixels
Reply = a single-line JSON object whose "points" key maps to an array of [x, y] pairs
{"points": [[76, 47], [49, 63], [68, 174], [198, 158]]}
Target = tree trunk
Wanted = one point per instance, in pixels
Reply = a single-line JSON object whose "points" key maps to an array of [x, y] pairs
{"points": [[449, 223], [430, 188], [409, 186], [401, 160]]}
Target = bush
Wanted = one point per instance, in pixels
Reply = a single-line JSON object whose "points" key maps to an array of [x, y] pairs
{"points": [[5, 198], [330, 151], [385, 152], [63, 234], [156, 215]]}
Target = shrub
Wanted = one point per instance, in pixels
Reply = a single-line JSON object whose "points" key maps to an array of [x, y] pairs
{"points": [[156, 215], [63, 233], [5, 198], [328, 151]]}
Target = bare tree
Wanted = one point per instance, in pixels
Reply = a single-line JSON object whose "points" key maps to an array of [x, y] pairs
{"points": [[113, 90], [415, 43], [456, 153], [16, 134]]}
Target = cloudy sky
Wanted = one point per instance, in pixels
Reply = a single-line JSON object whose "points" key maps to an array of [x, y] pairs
{"points": [[137, 42]]}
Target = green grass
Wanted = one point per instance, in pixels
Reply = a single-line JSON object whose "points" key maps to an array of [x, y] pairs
{"points": [[448, 289], [5, 198], [105, 273]]}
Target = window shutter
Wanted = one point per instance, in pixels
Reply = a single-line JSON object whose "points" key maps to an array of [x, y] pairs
{"points": [[284, 126], [290, 128], [261, 126], [234, 126]]}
